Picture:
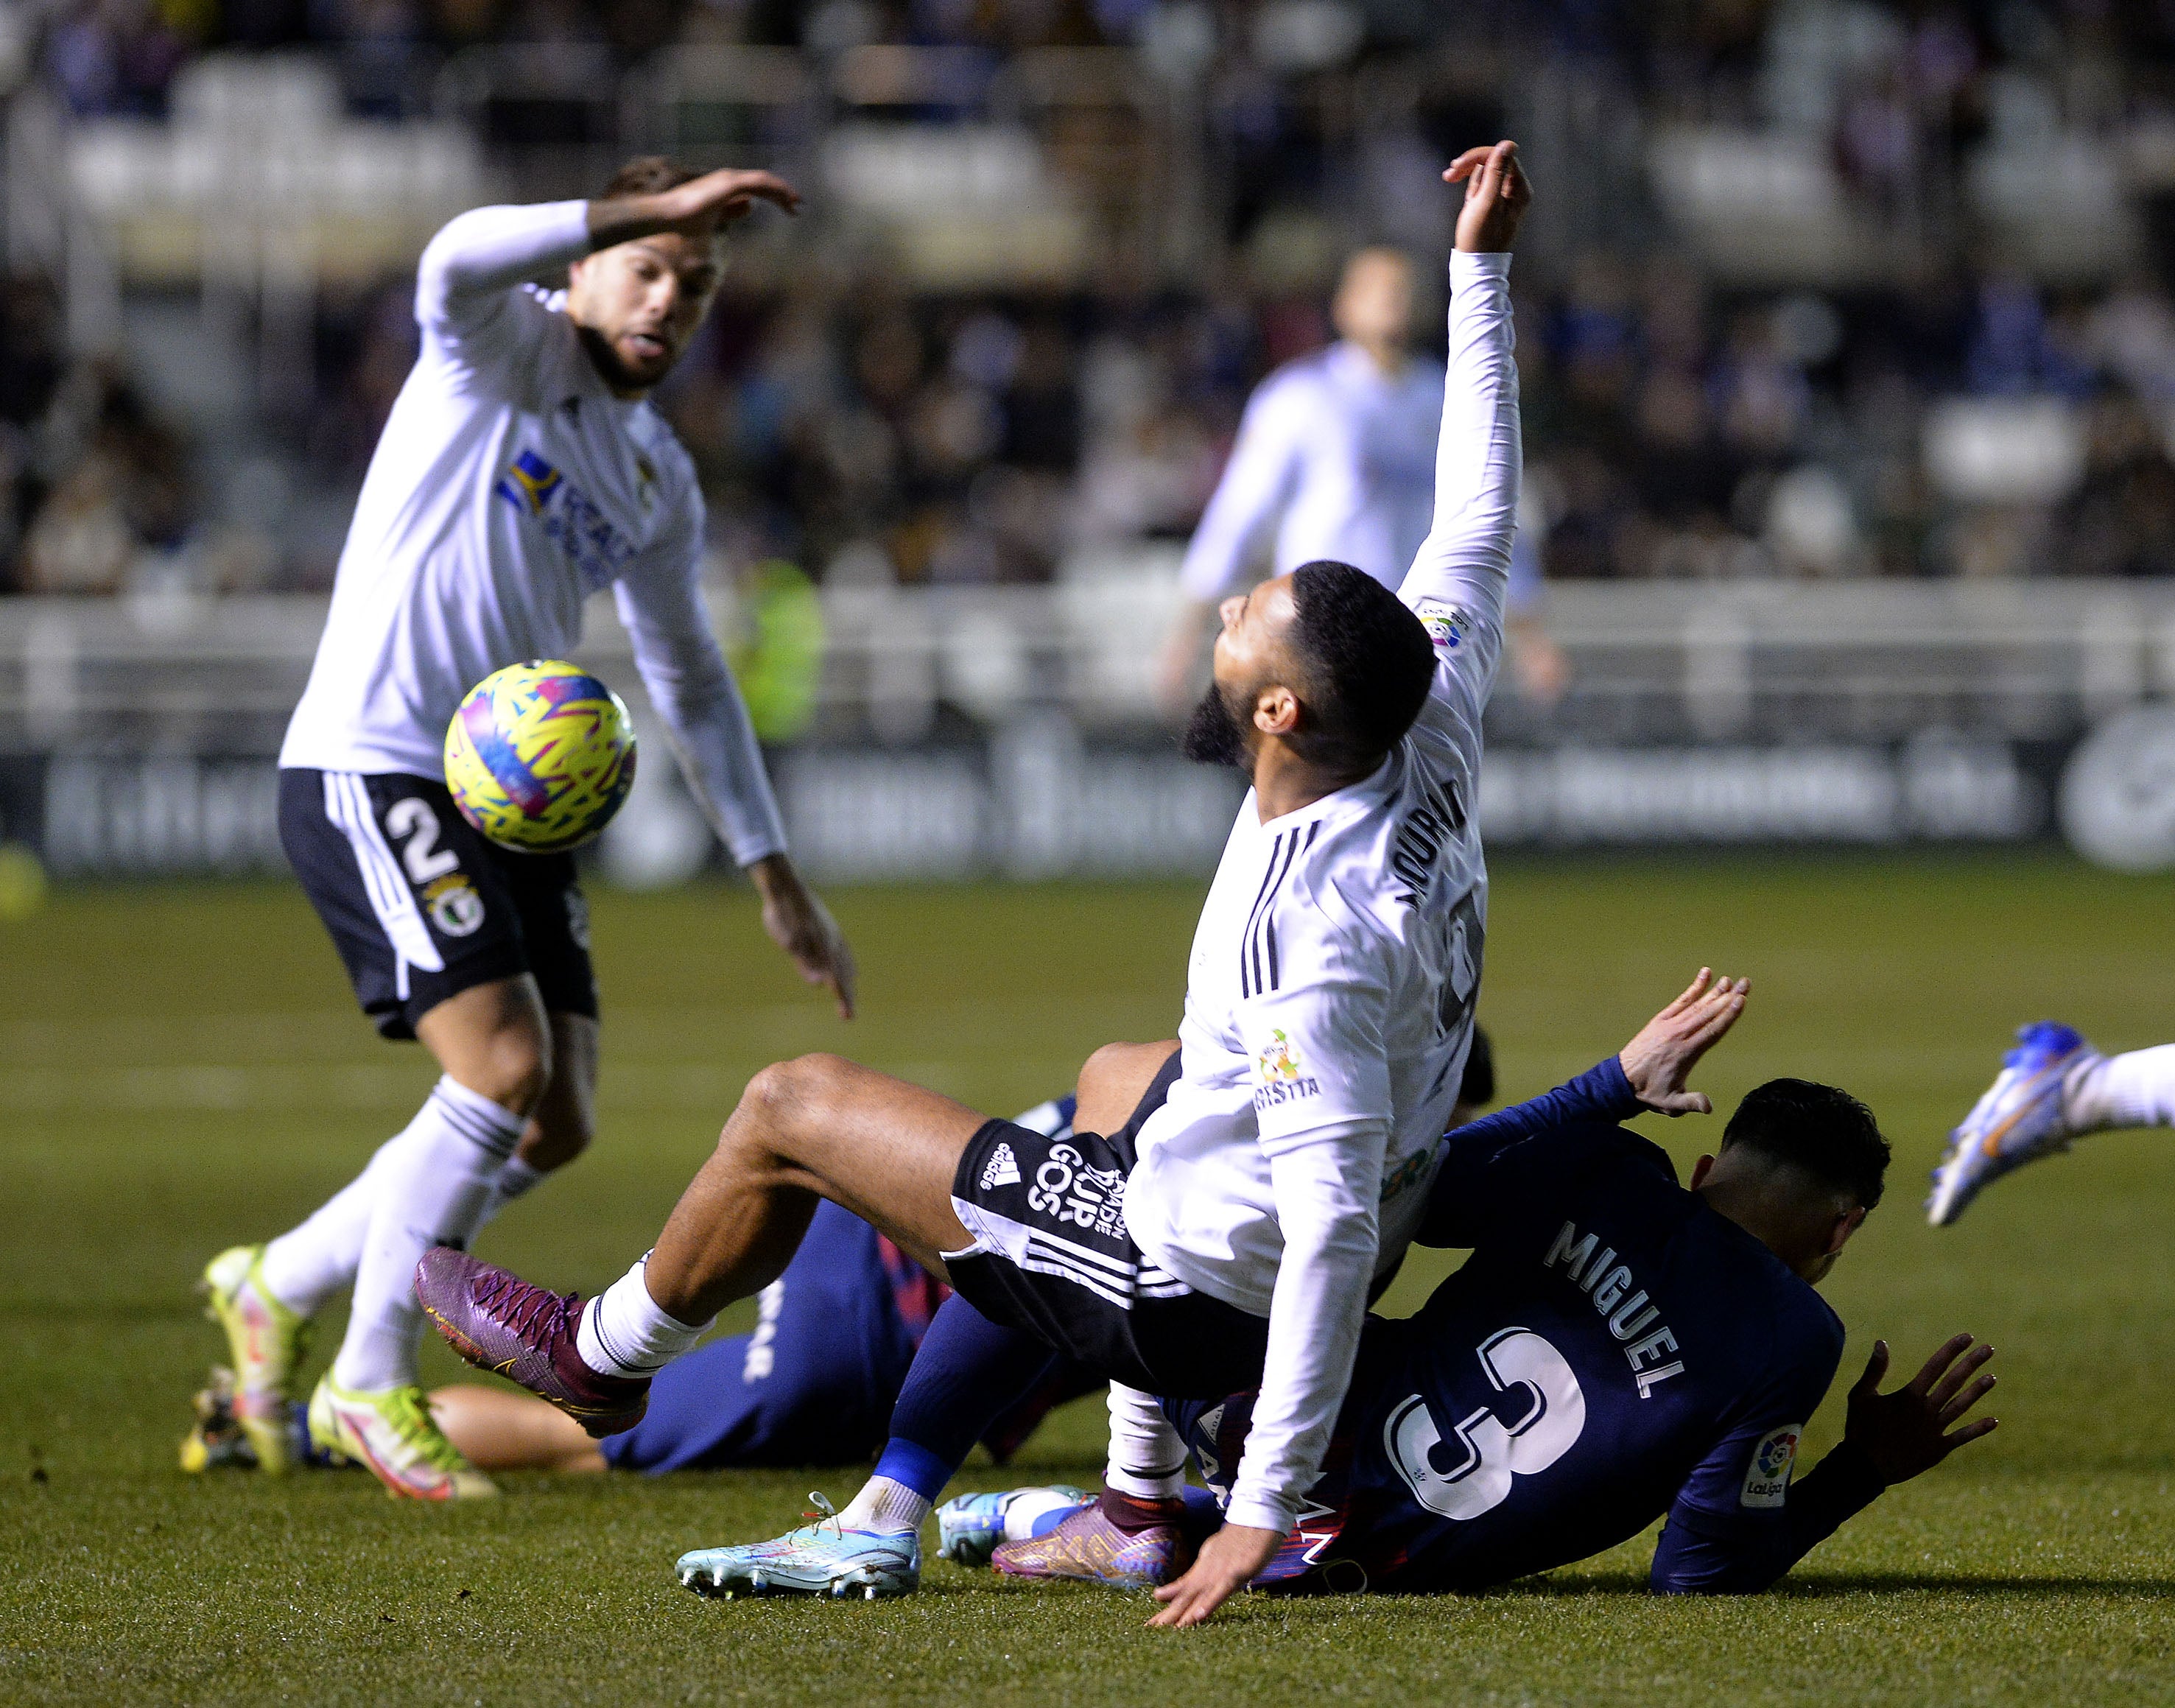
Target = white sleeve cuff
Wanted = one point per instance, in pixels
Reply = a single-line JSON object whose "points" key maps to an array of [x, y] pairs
{"points": [[1465, 266], [1259, 1512]]}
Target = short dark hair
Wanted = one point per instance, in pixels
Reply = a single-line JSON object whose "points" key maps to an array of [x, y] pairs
{"points": [[1368, 661], [648, 175], [1827, 1132]]}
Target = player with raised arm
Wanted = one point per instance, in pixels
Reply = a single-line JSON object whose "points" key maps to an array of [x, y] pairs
{"points": [[1333, 460], [521, 471], [2053, 1089], [1617, 1347], [1231, 1235]]}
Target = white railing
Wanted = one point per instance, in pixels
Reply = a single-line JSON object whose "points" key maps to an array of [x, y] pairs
{"points": [[1662, 662]]}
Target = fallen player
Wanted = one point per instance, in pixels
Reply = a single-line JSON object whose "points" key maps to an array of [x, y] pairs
{"points": [[1617, 1347]]}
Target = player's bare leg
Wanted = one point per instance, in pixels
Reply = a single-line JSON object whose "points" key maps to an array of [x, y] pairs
{"points": [[818, 1127], [499, 1431]]}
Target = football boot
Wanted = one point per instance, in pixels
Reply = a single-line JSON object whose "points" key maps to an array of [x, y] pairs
{"points": [[2019, 1120]]}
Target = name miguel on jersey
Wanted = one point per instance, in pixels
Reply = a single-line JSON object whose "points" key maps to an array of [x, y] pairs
{"points": [[1607, 1282]]}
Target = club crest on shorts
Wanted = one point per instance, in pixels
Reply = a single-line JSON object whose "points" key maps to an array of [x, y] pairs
{"points": [[456, 909], [1767, 1477], [1447, 625]]}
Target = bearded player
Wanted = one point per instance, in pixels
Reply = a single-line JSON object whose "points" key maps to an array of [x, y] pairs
{"points": [[522, 469], [1229, 1237]]}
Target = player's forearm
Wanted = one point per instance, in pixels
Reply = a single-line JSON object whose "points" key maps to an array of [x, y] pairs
{"points": [[707, 723], [1601, 1094], [1331, 1243], [1690, 1560], [493, 249], [1479, 457]]}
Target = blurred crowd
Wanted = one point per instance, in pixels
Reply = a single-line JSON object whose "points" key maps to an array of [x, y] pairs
{"points": [[1678, 424]]}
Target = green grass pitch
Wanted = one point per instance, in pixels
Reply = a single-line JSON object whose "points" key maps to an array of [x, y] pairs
{"points": [[180, 1069]]}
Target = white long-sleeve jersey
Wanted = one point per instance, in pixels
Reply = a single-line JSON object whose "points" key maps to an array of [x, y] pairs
{"points": [[1333, 454], [1329, 998], [509, 485]]}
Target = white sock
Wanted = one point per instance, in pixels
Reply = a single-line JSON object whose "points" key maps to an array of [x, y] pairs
{"points": [[887, 1507], [624, 1333], [2133, 1090], [516, 1178], [306, 1265], [1147, 1459], [434, 1189]]}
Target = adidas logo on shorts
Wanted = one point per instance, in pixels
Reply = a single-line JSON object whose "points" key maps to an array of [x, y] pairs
{"points": [[1002, 1170]]}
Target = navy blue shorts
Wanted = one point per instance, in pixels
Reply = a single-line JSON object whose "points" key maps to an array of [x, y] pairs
{"points": [[420, 906]]}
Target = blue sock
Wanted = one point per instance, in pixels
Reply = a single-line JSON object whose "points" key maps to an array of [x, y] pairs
{"points": [[967, 1375]]}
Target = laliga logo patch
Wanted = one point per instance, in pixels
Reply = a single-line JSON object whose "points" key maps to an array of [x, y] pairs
{"points": [[1767, 1478], [456, 909], [1447, 625], [1280, 1060]]}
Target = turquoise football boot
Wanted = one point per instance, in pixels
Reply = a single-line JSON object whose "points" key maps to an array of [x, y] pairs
{"points": [[821, 1559]]}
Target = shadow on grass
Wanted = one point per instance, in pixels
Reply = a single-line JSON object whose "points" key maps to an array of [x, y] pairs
{"points": [[1818, 1586]]}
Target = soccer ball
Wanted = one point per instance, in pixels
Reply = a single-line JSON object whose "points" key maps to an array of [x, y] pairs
{"points": [[540, 756]]}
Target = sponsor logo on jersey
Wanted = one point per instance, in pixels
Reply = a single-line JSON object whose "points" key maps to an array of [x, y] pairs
{"points": [[1767, 1477], [1283, 1080], [1447, 625], [456, 909], [599, 551], [1002, 1170], [1407, 1174]]}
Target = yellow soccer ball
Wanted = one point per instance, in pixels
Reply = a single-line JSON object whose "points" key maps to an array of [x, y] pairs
{"points": [[540, 756]]}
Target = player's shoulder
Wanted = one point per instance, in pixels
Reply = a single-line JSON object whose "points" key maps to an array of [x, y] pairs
{"points": [[1297, 380], [1784, 1312]]}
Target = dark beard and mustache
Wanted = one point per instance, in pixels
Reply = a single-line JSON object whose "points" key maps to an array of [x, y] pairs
{"points": [[1212, 735]]}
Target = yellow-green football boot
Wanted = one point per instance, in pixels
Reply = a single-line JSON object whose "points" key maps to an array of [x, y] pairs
{"points": [[265, 1341], [392, 1434]]}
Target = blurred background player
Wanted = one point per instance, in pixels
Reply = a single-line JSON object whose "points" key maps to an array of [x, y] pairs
{"points": [[522, 469], [2053, 1089], [1335, 459], [1616, 1347]]}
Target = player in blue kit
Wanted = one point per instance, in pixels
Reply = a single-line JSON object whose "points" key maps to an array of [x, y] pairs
{"points": [[1618, 1346]]}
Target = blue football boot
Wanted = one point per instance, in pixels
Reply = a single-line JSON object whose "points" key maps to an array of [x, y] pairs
{"points": [[821, 1559], [2019, 1120], [969, 1527]]}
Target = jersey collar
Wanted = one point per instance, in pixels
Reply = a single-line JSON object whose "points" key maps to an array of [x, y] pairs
{"points": [[1374, 786]]}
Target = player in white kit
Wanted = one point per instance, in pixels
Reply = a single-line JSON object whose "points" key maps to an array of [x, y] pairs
{"points": [[1334, 459], [1229, 1236], [521, 471]]}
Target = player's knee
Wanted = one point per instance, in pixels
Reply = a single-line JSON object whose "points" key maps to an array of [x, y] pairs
{"points": [[784, 1095], [516, 1064]]}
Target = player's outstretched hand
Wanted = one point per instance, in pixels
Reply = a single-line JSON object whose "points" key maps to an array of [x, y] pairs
{"points": [[1668, 1047], [801, 925], [1228, 1562], [1497, 193], [1910, 1431], [700, 206]]}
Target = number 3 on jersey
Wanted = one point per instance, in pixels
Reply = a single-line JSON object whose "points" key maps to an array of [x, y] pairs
{"points": [[1495, 1452]]}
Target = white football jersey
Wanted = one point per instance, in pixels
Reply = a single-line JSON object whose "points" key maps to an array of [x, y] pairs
{"points": [[509, 485], [1330, 996], [1335, 455]]}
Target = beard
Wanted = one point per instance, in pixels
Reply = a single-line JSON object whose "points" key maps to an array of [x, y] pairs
{"points": [[1211, 734]]}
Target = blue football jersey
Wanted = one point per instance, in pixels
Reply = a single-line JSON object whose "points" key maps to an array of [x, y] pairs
{"points": [[1612, 1350]]}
